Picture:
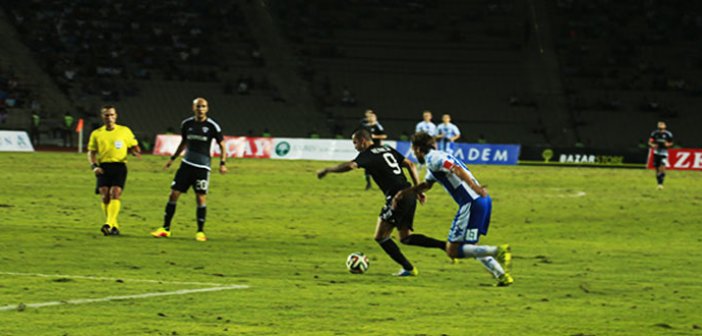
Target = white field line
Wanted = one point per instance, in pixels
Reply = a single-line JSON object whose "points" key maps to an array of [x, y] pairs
{"points": [[122, 297], [39, 275]]}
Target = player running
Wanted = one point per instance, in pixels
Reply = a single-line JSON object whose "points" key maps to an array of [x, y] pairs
{"points": [[197, 133], [660, 140], [108, 148], [474, 207], [385, 165]]}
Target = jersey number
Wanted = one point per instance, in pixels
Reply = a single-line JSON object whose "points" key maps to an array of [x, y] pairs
{"points": [[392, 162]]}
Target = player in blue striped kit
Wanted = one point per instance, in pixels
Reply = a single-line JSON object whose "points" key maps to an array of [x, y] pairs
{"points": [[447, 134], [474, 208]]}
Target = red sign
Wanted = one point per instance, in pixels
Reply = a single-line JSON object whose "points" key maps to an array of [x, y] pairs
{"points": [[680, 159], [237, 147]]}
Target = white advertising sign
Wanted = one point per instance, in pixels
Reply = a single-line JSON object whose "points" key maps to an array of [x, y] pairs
{"points": [[315, 149], [15, 141]]}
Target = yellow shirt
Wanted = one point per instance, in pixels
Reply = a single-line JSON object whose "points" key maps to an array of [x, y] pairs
{"points": [[111, 146]]}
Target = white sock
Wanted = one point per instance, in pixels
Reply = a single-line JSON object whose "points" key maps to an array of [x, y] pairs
{"points": [[492, 266], [475, 251]]}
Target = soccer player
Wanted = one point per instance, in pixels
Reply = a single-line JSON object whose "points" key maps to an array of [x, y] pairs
{"points": [[474, 207], [447, 135], [385, 165], [377, 135], [426, 125], [107, 153], [197, 133], [660, 140]]}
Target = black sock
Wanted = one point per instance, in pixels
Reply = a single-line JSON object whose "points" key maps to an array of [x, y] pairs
{"points": [[662, 178], [170, 211], [393, 251], [201, 214], [424, 241]]}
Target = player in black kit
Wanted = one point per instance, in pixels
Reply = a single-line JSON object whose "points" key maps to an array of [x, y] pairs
{"points": [[385, 165], [660, 140], [197, 134]]}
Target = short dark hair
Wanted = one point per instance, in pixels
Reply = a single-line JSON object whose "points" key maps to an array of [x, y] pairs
{"points": [[362, 134], [107, 107], [422, 141]]}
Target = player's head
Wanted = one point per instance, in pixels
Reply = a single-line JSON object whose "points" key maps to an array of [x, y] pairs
{"points": [[422, 143], [361, 139], [426, 115], [109, 115], [200, 108], [446, 118], [370, 116], [661, 125]]}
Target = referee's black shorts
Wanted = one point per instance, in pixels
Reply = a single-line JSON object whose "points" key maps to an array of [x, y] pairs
{"points": [[114, 175], [403, 215]]}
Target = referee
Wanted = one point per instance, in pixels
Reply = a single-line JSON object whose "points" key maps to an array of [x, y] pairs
{"points": [[107, 152]]}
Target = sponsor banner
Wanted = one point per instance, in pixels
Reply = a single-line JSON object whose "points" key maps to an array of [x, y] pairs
{"points": [[15, 141], [583, 157], [680, 159], [315, 149], [236, 147], [471, 153]]}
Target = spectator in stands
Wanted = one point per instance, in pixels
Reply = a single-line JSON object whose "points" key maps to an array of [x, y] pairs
{"points": [[447, 135], [3, 114], [34, 128], [67, 130], [347, 98], [481, 139]]}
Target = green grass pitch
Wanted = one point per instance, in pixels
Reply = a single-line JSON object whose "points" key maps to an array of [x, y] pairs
{"points": [[596, 252]]}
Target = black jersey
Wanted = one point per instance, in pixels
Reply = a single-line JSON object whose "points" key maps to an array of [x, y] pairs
{"points": [[198, 136], [660, 138], [375, 129], [384, 164]]}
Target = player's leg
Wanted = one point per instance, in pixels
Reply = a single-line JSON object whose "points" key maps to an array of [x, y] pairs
{"points": [[383, 230], [404, 220], [201, 214], [471, 220], [113, 208], [660, 171], [104, 192], [201, 186]]}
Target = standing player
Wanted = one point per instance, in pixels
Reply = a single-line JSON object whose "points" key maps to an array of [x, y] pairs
{"points": [[107, 153], [385, 165], [426, 125], [474, 208], [448, 133], [197, 133], [377, 133], [660, 140]]}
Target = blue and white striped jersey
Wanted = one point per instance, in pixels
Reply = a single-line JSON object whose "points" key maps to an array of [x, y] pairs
{"points": [[449, 131], [439, 166], [427, 127]]}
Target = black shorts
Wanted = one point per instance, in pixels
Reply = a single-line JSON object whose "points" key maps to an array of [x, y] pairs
{"points": [[403, 216], [659, 160], [114, 175], [189, 176]]}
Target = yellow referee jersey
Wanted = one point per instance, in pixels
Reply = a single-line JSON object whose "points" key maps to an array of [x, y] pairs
{"points": [[111, 146]]}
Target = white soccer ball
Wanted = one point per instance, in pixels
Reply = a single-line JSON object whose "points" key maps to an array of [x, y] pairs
{"points": [[357, 263]]}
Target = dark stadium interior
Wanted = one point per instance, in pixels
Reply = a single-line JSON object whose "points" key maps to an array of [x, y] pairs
{"points": [[568, 73]]}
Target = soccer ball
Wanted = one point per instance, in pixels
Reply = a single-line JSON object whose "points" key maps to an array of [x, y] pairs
{"points": [[357, 263]]}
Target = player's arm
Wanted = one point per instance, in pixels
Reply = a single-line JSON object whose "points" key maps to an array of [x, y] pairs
{"points": [[414, 175], [652, 142], [340, 168], [458, 135], [416, 190], [135, 150], [222, 158], [175, 155], [463, 175], [92, 158]]}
